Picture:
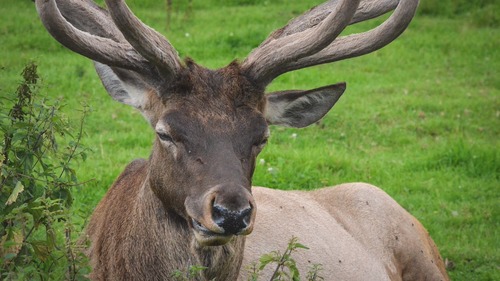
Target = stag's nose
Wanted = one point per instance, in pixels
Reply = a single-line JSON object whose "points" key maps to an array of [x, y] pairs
{"points": [[232, 221], [225, 210]]}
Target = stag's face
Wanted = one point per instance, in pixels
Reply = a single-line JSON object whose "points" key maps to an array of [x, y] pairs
{"points": [[202, 167], [209, 130]]}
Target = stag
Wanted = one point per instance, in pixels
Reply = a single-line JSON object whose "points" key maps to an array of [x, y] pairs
{"points": [[192, 202]]}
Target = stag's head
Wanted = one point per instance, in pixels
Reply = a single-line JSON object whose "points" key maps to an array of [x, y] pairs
{"points": [[211, 124]]}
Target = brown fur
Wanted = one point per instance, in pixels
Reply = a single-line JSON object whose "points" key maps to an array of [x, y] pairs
{"points": [[135, 238]]}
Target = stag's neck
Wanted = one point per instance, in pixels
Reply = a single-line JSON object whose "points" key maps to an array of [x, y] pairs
{"points": [[135, 237], [178, 240]]}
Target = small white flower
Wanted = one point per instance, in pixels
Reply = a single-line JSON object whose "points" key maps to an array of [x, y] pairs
{"points": [[294, 136], [187, 34], [271, 170], [262, 161]]}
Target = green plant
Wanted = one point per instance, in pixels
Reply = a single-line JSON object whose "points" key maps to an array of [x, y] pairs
{"points": [[286, 267], [35, 180], [190, 274]]}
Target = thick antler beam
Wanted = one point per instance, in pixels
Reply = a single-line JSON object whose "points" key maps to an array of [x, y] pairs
{"points": [[90, 17], [97, 48], [116, 39], [369, 9], [152, 45]]}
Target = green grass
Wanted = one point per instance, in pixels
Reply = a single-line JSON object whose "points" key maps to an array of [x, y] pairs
{"points": [[420, 118]]}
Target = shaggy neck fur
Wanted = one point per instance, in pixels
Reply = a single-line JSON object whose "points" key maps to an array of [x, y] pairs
{"points": [[141, 240]]}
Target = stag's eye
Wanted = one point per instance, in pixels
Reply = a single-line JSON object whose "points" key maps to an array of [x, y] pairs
{"points": [[165, 137], [262, 143]]}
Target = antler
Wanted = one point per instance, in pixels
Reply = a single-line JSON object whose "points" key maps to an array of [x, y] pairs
{"points": [[109, 40], [151, 44], [290, 48]]}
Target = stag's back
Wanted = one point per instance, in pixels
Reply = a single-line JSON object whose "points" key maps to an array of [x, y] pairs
{"points": [[355, 231]]}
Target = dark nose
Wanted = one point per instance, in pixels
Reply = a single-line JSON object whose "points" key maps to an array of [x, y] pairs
{"points": [[233, 222]]}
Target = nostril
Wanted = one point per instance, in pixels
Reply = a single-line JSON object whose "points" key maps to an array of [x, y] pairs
{"points": [[200, 161], [233, 222], [218, 214], [246, 215]]}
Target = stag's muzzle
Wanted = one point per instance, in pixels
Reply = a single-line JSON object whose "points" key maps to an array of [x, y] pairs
{"points": [[222, 212]]}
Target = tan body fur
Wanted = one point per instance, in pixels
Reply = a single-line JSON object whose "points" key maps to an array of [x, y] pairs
{"points": [[355, 231]]}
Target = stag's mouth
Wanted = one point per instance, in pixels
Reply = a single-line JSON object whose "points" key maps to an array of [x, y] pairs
{"points": [[206, 237]]}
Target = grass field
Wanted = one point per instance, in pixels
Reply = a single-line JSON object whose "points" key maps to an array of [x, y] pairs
{"points": [[420, 118]]}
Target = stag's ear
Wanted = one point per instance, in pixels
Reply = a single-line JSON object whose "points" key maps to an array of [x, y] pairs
{"points": [[301, 108], [127, 87], [122, 86]]}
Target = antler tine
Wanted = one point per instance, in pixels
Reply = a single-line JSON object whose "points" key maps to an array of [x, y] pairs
{"points": [[367, 9], [94, 47], [265, 63], [340, 48], [151, 44], [87, 16], [362, 43]]}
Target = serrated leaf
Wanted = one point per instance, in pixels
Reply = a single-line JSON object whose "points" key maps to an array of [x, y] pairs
{"points": [[265, 260], [15, 193], [195, 269], [42, 249], [292, 266], [301, 246], [11, 243]]}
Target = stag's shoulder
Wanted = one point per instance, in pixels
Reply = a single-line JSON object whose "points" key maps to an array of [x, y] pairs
{"points": [[134, 167], [132, 175], [121, 195]]}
